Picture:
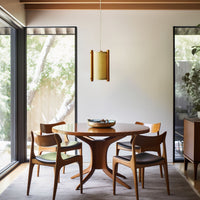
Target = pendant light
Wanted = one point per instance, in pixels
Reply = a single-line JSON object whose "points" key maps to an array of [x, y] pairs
{"points": [[100, 61]]}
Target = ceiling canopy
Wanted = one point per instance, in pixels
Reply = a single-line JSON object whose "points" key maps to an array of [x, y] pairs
{"points": [[113, 4]]}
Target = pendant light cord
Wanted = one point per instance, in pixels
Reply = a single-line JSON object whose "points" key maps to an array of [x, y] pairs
{"points": [[100, 24]]}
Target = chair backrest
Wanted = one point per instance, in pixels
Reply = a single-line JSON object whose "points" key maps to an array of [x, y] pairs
{"points": [[47, 128], [148, 143], [45, 140], [154, 128]]}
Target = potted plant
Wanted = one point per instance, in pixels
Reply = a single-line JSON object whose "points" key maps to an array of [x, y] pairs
{"points": [[192, 86]]}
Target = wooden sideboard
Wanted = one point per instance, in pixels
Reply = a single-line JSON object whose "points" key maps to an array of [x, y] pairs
{"points": [[192, 143]]}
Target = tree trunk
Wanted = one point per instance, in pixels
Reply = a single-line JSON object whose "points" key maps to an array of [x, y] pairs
{"points": [[68, 104], [39, 68], [66, 107]]}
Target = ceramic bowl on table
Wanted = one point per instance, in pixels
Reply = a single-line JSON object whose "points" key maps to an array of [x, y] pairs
{"points": [[101, 123]]}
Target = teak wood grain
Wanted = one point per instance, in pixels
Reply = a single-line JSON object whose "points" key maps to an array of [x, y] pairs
{"points": [[127, 146], [191, 143], [143, 159]]}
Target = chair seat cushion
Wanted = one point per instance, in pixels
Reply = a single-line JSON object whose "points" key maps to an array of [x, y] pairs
{"points": [[70, 144], [147, 158], [51, 157], [143, 158], [127, 145], [127, 158]]}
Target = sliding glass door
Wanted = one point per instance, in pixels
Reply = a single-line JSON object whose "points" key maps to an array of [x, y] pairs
{"points": [[51, 63], [6, 134], [12, 93], [42, 92], [186, 82]]}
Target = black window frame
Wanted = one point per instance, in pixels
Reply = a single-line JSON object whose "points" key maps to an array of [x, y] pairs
{"points": [[18, 98], [174, 81]]}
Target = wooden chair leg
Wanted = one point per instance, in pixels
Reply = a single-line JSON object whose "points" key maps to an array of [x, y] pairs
{"points": [[56, 178], [161, 173], [81, 174], [64, 170], [38, 170], [134, 170], [166, 177], [142, 177], [38, 167], [64, 166], [80, 151], [81, 170], [115, 168], [139, 174], [117, 149], [29, 177]]}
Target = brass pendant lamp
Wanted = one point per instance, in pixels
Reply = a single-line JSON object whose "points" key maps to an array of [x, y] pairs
{"points": [[100, 62]]}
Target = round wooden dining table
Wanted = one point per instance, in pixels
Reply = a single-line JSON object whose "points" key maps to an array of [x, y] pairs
{"points": [[99, 147]]}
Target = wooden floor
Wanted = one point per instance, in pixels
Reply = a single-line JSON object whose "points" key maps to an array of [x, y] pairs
{"points": [[189, 175], [4, 183]]}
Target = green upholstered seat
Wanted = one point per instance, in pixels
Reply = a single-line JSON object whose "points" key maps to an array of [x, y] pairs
{"points": [[51, 157]]}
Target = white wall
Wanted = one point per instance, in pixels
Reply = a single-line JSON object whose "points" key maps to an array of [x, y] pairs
{"points": [[141, 50], [15, 8]]}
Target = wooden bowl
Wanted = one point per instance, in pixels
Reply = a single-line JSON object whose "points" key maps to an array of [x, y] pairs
{"points": [[96, 123]]}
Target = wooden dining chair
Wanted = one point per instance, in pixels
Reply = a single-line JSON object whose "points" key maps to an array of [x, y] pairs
{"points": [[143, 159], [70, 145], [127, 146], [56, 159]]}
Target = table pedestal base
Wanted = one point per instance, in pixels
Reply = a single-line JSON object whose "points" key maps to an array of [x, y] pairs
{"points": [[99, 150]]}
